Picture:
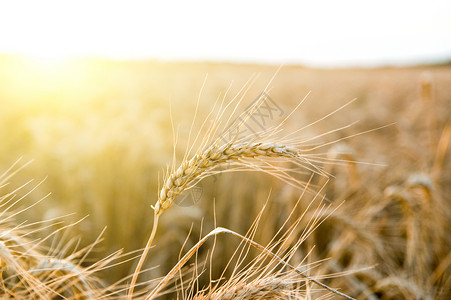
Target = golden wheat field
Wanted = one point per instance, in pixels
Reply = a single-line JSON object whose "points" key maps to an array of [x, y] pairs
{"points": [[276, 182]]}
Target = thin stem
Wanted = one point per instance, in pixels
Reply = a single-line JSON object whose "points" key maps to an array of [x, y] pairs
{"points": [[143, 257]]}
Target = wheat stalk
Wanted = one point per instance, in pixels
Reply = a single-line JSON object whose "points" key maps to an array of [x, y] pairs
{"points": [[264, 251], [238, 150]]}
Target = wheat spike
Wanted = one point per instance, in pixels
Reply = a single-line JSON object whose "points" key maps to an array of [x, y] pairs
{"points": [[198, 167], [64, 276]]}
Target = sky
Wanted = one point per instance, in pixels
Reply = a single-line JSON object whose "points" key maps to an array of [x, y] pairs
{"points": [[314, 33]]}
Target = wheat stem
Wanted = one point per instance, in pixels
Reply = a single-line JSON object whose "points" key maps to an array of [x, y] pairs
{"points": [[142, 258]]}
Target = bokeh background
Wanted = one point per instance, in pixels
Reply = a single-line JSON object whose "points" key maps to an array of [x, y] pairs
{"points": [[87, 91]]}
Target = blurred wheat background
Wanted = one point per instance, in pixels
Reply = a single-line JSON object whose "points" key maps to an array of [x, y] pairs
{"points": [[100, 133]]}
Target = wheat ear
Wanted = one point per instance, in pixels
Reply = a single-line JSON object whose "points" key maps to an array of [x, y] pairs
{"points": [[265, 288], [62, 275], [192, 171]]}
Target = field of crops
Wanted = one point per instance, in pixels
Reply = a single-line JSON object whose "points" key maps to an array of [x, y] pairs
{"points": [[357, 197]]}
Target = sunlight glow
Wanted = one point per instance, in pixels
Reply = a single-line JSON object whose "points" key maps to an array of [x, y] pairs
{"points": [[49, 63]]}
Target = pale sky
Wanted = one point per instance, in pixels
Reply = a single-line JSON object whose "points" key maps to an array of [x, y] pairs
{"points": [[315, 33]]}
